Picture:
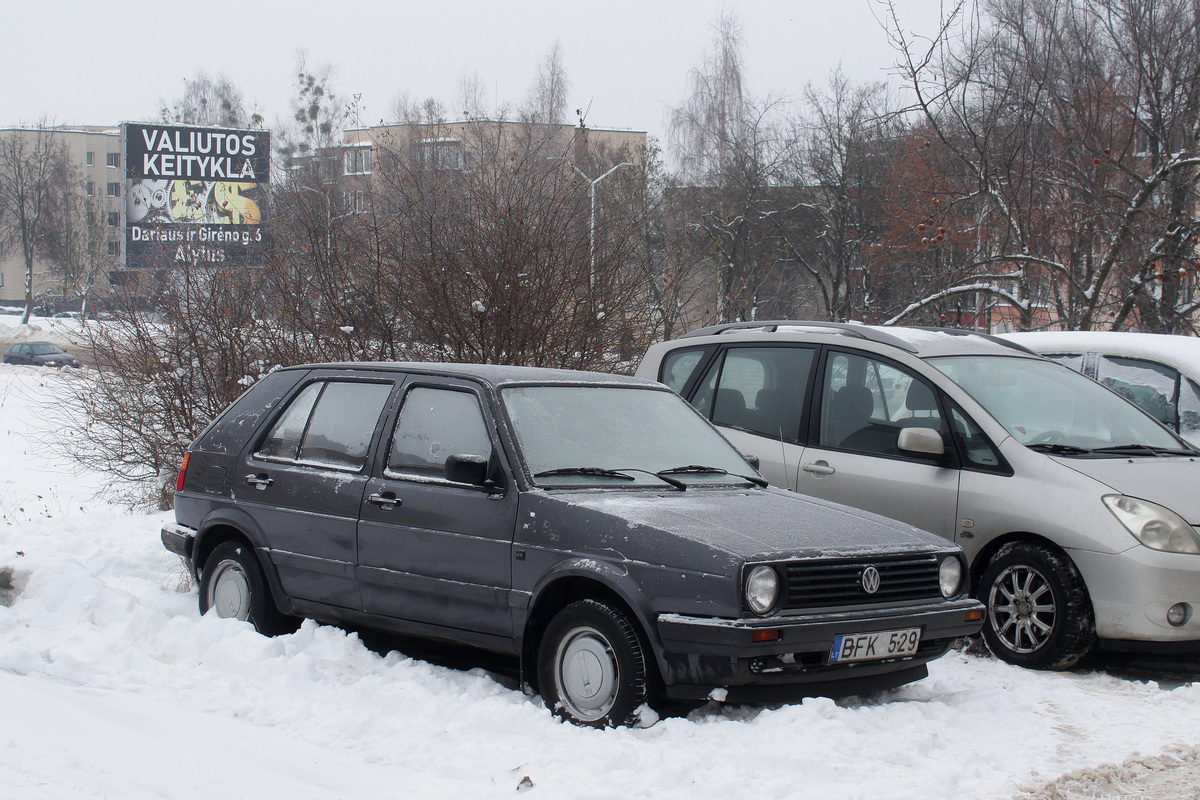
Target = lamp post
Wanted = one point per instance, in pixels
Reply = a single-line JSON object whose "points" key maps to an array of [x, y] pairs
{"points": [[592, 221]]}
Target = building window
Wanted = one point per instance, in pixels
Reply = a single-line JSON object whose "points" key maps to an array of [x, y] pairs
{"points": [[114, 190], [356, 161], [91, 159], [114, 219], [114, 160], [442, 154], [355, 202], [91, 188], [114, 248]]}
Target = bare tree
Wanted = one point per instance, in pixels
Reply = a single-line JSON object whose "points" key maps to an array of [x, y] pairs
{"points": [[35, 178], [209, 101], [547, 100]]}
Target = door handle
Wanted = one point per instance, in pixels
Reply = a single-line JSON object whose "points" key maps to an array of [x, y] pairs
{"points": [[819, 468], [260, 482], [386, 501]]}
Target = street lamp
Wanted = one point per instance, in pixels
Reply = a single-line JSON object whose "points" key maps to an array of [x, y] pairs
{"points": [[592, 222]]}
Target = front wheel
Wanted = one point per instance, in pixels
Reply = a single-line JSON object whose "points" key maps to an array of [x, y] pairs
{"points": [[1038, 611], [592, 666], [233, 585]]}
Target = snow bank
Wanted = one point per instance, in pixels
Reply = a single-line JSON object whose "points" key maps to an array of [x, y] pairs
{"points": [[112, 685]]}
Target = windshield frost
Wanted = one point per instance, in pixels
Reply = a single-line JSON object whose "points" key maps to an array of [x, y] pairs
{"points": [[638, 431], [1044, 403]]}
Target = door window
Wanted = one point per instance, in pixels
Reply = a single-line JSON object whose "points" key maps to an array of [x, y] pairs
{"points": [[329, 424], [866, 402], [1150, 385], [435, 424], [678, 366], [759, 389]]}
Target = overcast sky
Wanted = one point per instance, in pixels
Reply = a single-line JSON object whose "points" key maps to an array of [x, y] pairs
{"points": [[82, 62]]}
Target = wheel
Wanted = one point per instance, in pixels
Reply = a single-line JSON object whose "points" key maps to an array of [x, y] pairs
{"points": [[592, 667], [1038, 611], [233, 585]]}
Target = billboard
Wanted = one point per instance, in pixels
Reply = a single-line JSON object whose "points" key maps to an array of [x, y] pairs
{"points": [[194, 195]]}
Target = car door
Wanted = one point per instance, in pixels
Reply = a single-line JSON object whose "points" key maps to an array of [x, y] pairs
{"points": [[853, 456], [303, 482], [431, 549]]}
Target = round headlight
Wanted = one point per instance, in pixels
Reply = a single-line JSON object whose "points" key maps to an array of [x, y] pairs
{"points": [[762, 589], [949, 576]]}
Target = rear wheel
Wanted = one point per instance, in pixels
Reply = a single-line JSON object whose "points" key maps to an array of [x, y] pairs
{"points": [[1038, 611], [233, 585], [592, 666]]}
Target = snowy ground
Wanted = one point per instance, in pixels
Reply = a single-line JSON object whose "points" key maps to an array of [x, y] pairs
{"points": [[112, 685]]}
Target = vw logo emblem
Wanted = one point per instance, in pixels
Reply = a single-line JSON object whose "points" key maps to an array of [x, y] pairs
{"points": [[870, 580]]}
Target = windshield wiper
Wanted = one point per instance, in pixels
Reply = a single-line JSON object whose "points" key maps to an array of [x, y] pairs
{"points": [[1059, 449], [601, 472], [1143, 449], [700, 469]]}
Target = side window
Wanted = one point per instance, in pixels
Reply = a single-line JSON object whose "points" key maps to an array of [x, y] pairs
{"points": [[1150, 385], [762, 390], [435, 424], [228, 434], [679, 365], [1189, 411], [866, 402], [977, 450], [329, 424]]}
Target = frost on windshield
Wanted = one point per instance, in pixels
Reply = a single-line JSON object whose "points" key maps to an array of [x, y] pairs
{"points": [[564, 427], [1151, 386]]}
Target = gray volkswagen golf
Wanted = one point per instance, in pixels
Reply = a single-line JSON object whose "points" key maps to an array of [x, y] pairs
{"points": [[595, 526]]}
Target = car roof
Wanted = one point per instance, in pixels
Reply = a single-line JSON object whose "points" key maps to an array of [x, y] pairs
{"points": [[1182, 352], [493, 374], [920, 342]]}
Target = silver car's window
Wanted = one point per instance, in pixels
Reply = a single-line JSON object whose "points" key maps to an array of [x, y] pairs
{"points": [[1150, 385], [866, 402], [678, 366], [1189, 411], [643, 431], [762, 390], [1042, 403]]}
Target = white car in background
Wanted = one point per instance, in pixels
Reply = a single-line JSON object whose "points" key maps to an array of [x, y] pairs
{"points": [[1159, 372]]}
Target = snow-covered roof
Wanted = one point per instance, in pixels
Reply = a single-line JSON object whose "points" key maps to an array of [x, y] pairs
{"points": [[1180, 352]]}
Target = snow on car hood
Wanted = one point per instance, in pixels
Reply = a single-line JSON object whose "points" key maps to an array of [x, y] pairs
{"points": [[739, 524], [1170, 481]]}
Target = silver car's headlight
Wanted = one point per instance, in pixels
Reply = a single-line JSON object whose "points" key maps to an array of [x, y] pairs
{"points": [[762, 589], [950, 576], [1154, 526]]}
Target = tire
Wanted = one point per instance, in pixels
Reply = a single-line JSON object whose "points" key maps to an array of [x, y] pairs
{"points": [[592, 666], [233, 585], [1038, 613]]}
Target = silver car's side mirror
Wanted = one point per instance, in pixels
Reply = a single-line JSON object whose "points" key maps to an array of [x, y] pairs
{"points": [[925, 441]]}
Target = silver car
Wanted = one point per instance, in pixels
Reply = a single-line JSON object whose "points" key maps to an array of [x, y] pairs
{"points": [[1077, 510]]}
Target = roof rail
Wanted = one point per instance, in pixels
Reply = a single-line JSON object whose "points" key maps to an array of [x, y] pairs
{"points": [[872, 334], [990, 337]]}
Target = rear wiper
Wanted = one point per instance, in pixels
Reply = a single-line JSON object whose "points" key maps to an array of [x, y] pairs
{"points": [[601, 472], [1060, 449], [1143, 449], [700, 469]]}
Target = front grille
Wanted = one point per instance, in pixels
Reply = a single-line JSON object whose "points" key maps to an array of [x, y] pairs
{"points": [[838, 582]]}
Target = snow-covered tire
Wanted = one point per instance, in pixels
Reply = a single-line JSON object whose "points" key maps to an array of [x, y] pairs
{"points": [[592, 666], [1038, 614], [233, 585]]}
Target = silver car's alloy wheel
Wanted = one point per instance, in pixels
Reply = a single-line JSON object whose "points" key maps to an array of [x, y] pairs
{"points": [[586, 674], [229, 591], [1021, 608]]}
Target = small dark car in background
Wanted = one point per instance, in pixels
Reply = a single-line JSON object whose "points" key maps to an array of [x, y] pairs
{"points": [[595, 526], [40, 354]]}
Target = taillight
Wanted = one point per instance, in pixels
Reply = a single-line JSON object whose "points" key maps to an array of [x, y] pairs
{"points": [[182, 472]]}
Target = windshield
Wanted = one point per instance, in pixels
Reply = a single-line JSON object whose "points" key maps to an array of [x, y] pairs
{"points": [[618, 436], [1047, 406]]}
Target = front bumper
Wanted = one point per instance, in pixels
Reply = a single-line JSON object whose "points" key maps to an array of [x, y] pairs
{"points": [[705, 652], [1131, 593], [179, 539]]}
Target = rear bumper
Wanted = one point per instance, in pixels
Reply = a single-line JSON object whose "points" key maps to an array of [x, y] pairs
{"points": [[179, 539], [703, 653]]}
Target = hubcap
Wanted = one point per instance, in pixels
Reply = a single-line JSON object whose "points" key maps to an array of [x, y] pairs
{"points": [[1021, 609], [229, 591], [585, 671]]}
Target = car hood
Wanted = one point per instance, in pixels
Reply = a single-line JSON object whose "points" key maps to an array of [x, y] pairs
{"points": [[1170, 481], [706, 528]]}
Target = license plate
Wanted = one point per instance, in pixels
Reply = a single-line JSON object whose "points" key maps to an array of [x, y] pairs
{"points": [[869, 646]]}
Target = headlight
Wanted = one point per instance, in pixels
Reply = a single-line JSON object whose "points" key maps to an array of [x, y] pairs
{"points": [[1154, 526], [949, 576], [762, 589]]}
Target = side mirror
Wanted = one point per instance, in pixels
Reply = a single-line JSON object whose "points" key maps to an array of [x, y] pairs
{"points": [[923, 441], [753, 461], [467, 469]]}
